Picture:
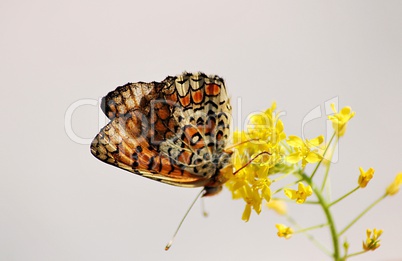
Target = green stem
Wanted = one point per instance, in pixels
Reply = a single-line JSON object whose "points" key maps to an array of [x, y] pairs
{"points": [[310, 237], [328, 215], [355, 254], [311, 202], [361, 214], [344, 196], [281, 177], [323, 155], [286, 186], [310, 228], [346, 250], [324, 182]]}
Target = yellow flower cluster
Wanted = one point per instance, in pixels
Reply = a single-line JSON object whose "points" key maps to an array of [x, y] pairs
{"points": [[262, 150], [257, 151], [372, 242]]}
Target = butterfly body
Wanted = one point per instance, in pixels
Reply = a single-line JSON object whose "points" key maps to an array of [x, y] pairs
{"points": [[174, 131]]}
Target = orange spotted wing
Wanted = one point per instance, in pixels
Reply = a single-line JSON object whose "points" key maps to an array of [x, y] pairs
{"points": [[174, 131]]}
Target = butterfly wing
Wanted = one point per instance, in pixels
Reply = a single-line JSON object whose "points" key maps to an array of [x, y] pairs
{"points": [[167, 131], [115, 145]]}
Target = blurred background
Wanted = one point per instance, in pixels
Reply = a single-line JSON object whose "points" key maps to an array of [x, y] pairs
{"points": [[57, 202]]}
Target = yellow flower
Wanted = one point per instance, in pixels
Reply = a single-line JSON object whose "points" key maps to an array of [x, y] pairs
{"points": [[365, 177], [299, 195], [256, 154], [304, 151], [340, 119], [246, 213], [284, 231], [252, 189], [253, 201], [372, 241], [266, 126], [278, 205], [263, 185], [393, 188]]}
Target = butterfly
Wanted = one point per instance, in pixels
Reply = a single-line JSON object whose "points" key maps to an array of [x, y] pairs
{"points": [[174, 131]]}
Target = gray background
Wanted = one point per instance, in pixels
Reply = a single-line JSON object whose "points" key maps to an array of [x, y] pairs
{"points": [[57, 202]]}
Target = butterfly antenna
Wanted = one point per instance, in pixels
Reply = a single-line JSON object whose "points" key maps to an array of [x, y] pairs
{"points": [[240, 143], [181, 222], [249, 162]]}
